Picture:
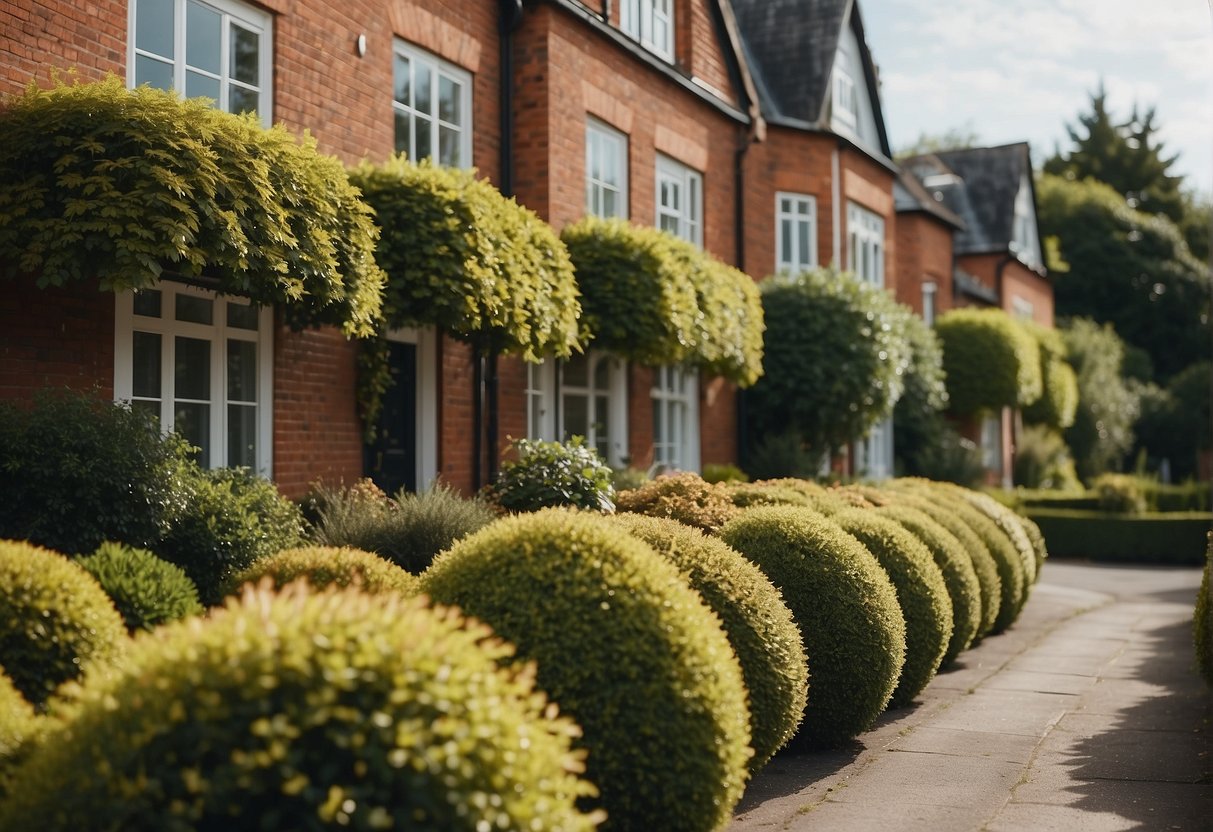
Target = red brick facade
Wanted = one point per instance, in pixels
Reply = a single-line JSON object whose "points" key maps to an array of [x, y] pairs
{"points": [[924, 255]]}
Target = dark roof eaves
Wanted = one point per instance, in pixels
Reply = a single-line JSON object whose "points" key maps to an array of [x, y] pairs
{"points": [[813, 127]]}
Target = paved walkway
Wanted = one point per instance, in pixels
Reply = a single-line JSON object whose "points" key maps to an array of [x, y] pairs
{"points": [[1086, 715]]}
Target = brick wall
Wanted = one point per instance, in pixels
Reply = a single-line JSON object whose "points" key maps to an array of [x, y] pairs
{"points": [[1018, 281], [41, 35], [924, 254]]}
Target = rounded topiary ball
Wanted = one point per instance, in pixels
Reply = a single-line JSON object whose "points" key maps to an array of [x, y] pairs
{"points": [[921, 594], [323, 566], [1039, 550], [628, 650], [18, 724], [54, 619], [687, 498], [1010, 524], [307, 711], [146, 590], [749, 494], [846, 608], [757, 621]]}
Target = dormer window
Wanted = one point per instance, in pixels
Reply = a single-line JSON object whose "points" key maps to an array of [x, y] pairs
{"points": [[652, 23], [846, 105]]}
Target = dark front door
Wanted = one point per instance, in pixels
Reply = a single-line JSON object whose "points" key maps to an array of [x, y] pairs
{"points": [[391, 460]]}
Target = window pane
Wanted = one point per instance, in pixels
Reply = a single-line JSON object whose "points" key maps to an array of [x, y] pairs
{"points": [[576, 416], [242, 316], [147, 303], [670, 224], [423, 148], [153, 73], [803, 242], [150, 408], [242, 435], [785, 248], [241, 371], [193, 421], [422, 92], [610, 204], [203, 34], [448, 100], [195, 310], [192, 370], [401, 72], [246, 55], [576, 371], [602, 427], [145, 377], [201, 86], [402, 134], [154, 27], [241, 100], [448, 147]]}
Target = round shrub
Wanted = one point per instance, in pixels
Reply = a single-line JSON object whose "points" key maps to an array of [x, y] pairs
{"points": [[1036, 537], [686, 498], [18, 726], [989, 359], [146, 590], [724, 472], [323, 566], [959, 577], [307, 711], [756, 620], [847, 611], [548, 474], [921, 594], [1009, 524], [628, 650], [1202, 620], [54, 619], [745, 495]]}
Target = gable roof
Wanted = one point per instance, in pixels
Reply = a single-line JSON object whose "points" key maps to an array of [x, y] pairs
{"points": [[909, 195], [991, 179], [790, 46]]}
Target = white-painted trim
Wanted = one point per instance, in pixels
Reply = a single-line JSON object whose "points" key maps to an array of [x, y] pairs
{"points": [[426, 341], [440, 68], [865, 233], [836, 206], [637, 18], [541, 385], [689, 216], [689, 439], [611, 140], [795, 217]]}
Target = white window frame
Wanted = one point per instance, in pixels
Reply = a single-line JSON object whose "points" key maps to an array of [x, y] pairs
{"points": [[425, 339], [874, 453], [687, 215], [613, 147], [540, 394], [795, 210], [233, 11], [438, 69], [169, 329], [641, 20], [846, 101], [930, 294], [865, 245], [675, 396], [616, 393], [991, 442]]}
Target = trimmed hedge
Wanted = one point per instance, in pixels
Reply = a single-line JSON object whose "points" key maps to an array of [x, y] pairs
{"points": [[756, 620], [122, 185], [146, 590], [307, 711], [323, 566], [1173, 538], [990, 360], [847, 611], [54, 620], [1202, 620], [687, 498], [627, 649], [921, 594]]}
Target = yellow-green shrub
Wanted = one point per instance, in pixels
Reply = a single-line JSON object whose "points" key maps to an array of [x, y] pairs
{"points": [[1040, 550], [846, 608], [626, 648], [323, 566], [1058, 400], [1010, 524], [1202, 620], [745, 495], [18, 725], [756, 620], [686, 498], [989, 359], [307, 711], [146, 590]]}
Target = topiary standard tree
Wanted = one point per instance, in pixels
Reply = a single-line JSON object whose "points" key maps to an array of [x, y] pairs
{"points": [[990, 360], [306, 711]]}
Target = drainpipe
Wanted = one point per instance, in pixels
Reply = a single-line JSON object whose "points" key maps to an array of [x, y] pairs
{"points": [[836, 199]]}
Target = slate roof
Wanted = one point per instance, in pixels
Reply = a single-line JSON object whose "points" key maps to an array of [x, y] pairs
{"points": [[909, 195]]}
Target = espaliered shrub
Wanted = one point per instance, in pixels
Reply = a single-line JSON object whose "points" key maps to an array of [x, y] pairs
{"points": [[18, 726], [324, 566], [122, 186], [308, 711], [146, 590], [1202, 620], [54, 620], [756, 620], [990, 360], [921, 594], [1058, 400], [656, 299], [549, 474], [686, 498], [847, 611], [628, 650]]}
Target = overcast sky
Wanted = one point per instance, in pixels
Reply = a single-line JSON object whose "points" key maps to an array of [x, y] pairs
{"points": [[1011, 70]]}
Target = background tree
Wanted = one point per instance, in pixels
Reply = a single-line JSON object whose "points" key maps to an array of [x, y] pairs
{"points": [[954, 138], [1107, 407]]}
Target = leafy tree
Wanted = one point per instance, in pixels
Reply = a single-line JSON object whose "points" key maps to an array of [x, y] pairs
{"points": [[954, 138], [1175, 420], [1197, 224], [1107, 407]]}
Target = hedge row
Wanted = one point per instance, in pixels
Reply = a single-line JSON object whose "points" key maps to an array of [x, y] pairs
{"points": [[1173, 537]]}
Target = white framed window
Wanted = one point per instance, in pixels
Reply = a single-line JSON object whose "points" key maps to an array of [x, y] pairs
{"points": [[675, 419], [795, 232], [991, 443], [651, 22], [220, 49], [1022, 308], [593, 403], [679, 200], [846, 103], [540, 400], [606, 171], [202, 364], [865, 244], [432, 104], [874, 454], [929, 292]]}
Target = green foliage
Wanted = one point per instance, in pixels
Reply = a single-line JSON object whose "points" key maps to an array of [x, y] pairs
{"points": [[79, 470], [846, 609], [324, 566], [1174, 422], [19, 726], [726, 472], [1009, 523], [628, 479], [687, 498], [1042, 460], [1107, 408], [1119, 494], [1039, 546], [756, 620], [781, 454], [1059, 386], [745, 495], [308, 711], [464, 258], [230, 518], [921, 594], [124, 186], [146, 590], [54, 619], [836, 356], [1176, 537], [548, 474], [1128, 269], [408, 530], [1202, 621], [656, 299], [990, 359], [626, 648], [946, 457], [1196, 224], [919, 426]]}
